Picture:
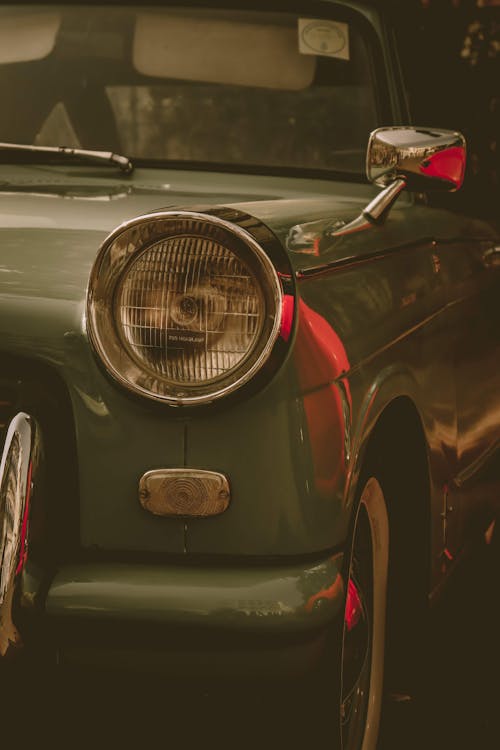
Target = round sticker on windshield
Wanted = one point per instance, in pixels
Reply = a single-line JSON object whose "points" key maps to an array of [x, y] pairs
{"points": [[319, 37]]}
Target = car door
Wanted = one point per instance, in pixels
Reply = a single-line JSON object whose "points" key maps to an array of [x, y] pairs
{"points": [[474, 293]]}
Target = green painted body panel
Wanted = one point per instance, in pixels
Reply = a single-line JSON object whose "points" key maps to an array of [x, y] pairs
{"points": [[405, 310], [46, 262], [384, 313]]}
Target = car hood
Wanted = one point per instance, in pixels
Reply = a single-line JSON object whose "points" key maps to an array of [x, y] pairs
{"points": [[53, 220]]}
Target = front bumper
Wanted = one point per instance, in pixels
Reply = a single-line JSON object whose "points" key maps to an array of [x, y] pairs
{"points": [[196, 621]]}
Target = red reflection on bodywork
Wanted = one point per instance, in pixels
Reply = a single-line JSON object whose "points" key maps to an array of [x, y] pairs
{"points": [[321, 356], [24, 529], [353, 608], [320, 359], [286, 316], [448, 165], [331, 592]]}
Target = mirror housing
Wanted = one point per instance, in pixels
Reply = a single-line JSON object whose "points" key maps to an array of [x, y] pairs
{"points": [[425, 158]]}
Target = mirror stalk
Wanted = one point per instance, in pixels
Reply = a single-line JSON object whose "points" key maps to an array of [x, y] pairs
{"points": [[375, 212]]}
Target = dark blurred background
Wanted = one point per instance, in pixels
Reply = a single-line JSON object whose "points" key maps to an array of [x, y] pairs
{"points": [[450, 54]]}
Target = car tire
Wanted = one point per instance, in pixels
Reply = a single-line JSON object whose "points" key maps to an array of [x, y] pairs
{"points": [[363, 641]]}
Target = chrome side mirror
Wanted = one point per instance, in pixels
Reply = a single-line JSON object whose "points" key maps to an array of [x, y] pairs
{"points": [[404, 157], [425, 158]]}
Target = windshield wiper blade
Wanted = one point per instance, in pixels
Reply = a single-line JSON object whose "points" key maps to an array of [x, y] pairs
{"points": [[106, 157]]}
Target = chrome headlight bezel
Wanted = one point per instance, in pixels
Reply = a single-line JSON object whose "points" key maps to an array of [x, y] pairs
{"points": [[116, 256]]}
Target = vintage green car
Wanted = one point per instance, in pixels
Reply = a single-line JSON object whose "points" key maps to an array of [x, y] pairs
{"points": [[249, 373]]}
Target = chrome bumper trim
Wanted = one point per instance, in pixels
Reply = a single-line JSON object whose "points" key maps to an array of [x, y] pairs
{"points": [[295, 598]]}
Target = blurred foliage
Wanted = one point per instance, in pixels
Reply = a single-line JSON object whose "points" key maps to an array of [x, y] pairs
{"points": [[450, 53]]}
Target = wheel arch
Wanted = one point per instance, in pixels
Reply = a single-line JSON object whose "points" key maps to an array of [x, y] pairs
{"points": [[390, 435], [38, 389], [396, 452]]}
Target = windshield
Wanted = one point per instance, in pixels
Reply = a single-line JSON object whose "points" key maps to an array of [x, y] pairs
{"points": [[188, 85]]}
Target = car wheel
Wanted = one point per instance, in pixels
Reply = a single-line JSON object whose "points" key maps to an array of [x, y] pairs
{"points": [[362, 663]]}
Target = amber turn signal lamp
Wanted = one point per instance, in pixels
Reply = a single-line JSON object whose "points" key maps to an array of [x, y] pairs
{"points": [[184, 492]]}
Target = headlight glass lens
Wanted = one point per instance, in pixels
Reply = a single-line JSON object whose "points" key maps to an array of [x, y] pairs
{"points": [[183, 307], [189, 310]]}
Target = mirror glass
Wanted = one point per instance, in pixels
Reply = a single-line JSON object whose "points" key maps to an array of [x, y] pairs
{"points": [[426, 158]]}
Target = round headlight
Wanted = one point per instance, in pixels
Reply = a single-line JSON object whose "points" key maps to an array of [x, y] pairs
{"points": [[183, 307]]}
